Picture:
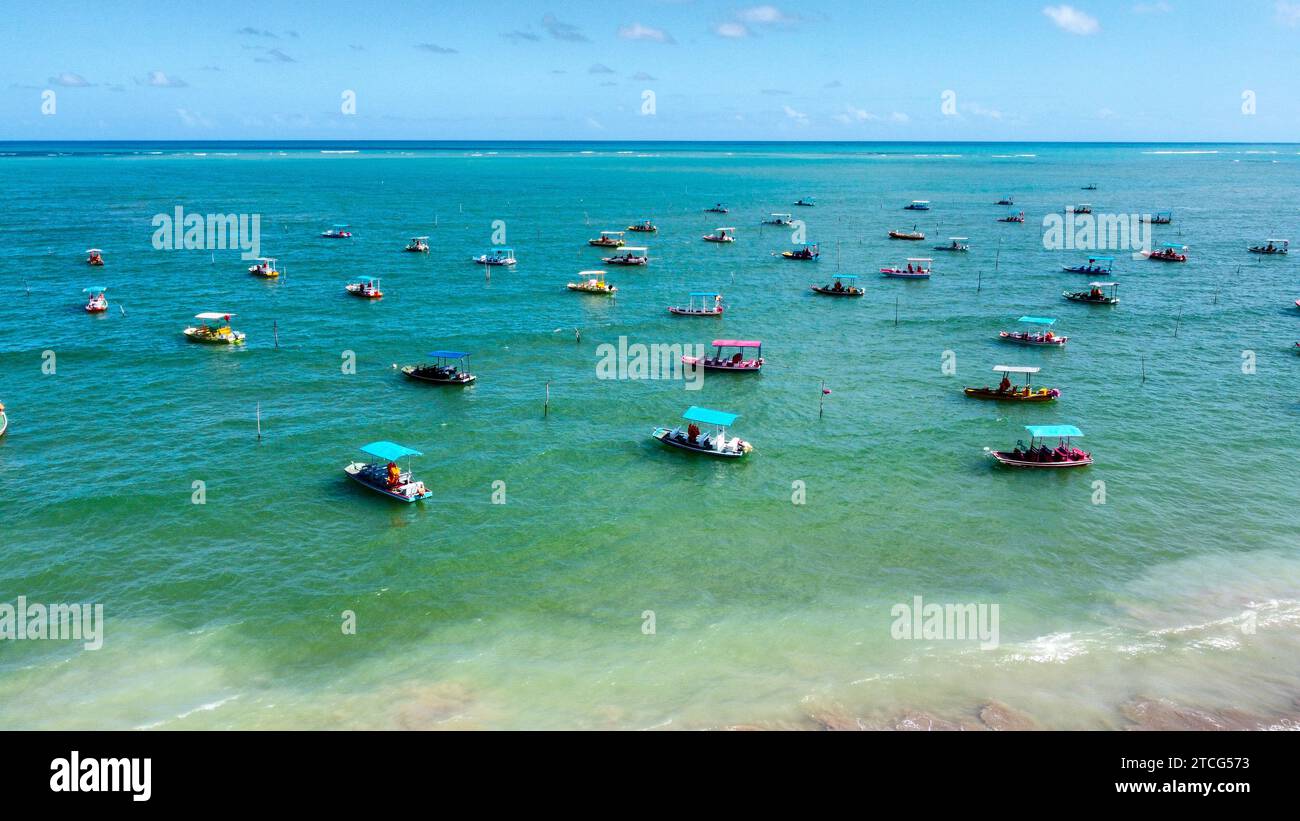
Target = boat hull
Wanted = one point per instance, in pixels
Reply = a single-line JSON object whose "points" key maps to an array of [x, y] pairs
{"points": [[1041, 395], [904, 236], [1057, 342], [687, 312], [405, 493], [4, 423], [843, 292], [1084, 269], [411, 372], [597, 291], [896, 274], [664, 435], [1078, 297], [193, 335], [749, 366], [1006, 458]]}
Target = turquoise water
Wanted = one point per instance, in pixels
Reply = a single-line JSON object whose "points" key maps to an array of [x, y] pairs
{"points": [[530, 613]]}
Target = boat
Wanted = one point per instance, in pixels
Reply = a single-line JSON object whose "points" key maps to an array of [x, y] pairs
{"points": [[1020, 217], [1169, 252], [1094, 265], [94, 256], [1038, 455], [98, 302], [337, 231], [593, 284], [1041, 338], [805, 202], [955, 244], [607, 239], [418, 245], [718, 208], [385, 476], [1081, 208], [1092, 186], [1159, 218], [1096, 294], [720, 361], [714, 443], [703, 309], [1005, 201], [1272, 246], [721, 235], [840, 287], [216, 333], [629, 255], [365, 287], [265, 268], [917, 205], [917, 268], [4, 420], [913, 235], [644, 227], [496, 256], [1014, 393], [447, 368], [807, 252], [779, 219]]}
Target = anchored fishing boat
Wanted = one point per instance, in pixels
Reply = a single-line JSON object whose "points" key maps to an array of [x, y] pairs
{"points": [[607, 239], [1038, 455], [1159, 218], [337, 231], [718, 208], [1094, 266], [214, 329], [385, 476], [4, 420], [94, 256], [721, 235], [779, 219], [365, 287], [1272, 246], [714, 443], [917, 205], [840, 287], [447, 368], [496, 256], [418, 245], [954, 244], [1019, 217], [1014, 393], [703, 308], [1096, 294], [1005, 201], [1082, 208], [644, 227], [1043, 338], [630, 255], [806, 202], [1092, 186], [98, 302], [807, 252], [1169, 252], [593, 284], [265, 268], [913, 235], [722, 361], [917, 268]]}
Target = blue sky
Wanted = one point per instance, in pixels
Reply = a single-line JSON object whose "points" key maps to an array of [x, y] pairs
{"points": [[837, 70]]}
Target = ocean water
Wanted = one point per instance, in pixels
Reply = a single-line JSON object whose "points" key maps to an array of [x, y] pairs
{"points": [[1182, 589]]}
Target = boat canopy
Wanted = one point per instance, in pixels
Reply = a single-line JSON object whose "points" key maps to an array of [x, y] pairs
{"points": [[710, 417], [366, 279], [1176, 245], [703, 293], [591, 273], [1038, 431], [920, 202], [94, 250], [94, 289], [1037, 320], [958, 238], [389, 450], [737, 343], [448, 354], [1283, 241], [1101, 259], [1102, 284], [628, 248], [266, 259], [846, 276], [340, 225], [1016, 368], [416, 238], [720, 230], [611, 233], [214, 315], [920, 259]]}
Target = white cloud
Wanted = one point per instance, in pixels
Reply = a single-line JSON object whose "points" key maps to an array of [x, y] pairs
{"points": [[983, 111], [899, 117], [69, 79], [1070, 19], [765, 15], [159, 79], [798, 116], [733, 31], [1158, 7], [1288, 14], [854, 115], [636, 31], [193, 119]]}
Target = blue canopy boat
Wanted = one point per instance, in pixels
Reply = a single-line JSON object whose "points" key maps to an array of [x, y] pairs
{"points": [[1094, 265], [714, 443], [446, 369], [386, 476], [1038, 455], [337, 231]]}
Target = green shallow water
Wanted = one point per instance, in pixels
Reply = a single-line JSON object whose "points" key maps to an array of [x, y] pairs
{"points": [[529, 613]]}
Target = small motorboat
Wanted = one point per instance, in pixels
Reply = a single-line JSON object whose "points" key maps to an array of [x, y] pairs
{"points": [[338, 231], [714, 443], [385, 476], [1094, 266], [1092, 186], [805, 202], [844, 285], [4, 420], [1096, 294], [607, 239], [917, 268], [630, 255], [94, 256], [214, 329], [721, 235], [98, 301], [1040, 338], [718, 208], [1159, 218], [1019, 217], [418, 245], [806, 252], [779, 220], [957, 244], [917, 205], [643, 227], [1005, 201], [1271, 247], [593, 284], [447, 368], [703, 308], [1082, 208], [1170, 252], [496, 256], [365, 287], [1008, 392], [1038, 455], [265, 268], [723, 361], [913, 235]]}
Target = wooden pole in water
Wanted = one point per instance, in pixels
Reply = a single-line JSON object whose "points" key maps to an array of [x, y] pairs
{"points": [[547, 407], [821, 400], [895, 312], [121, 308], [259, 421], [979, 280], [1144, 370], [1178, 322], [27, 286]]}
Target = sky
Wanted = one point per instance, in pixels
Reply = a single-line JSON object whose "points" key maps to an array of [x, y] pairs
{"points": [[1016, 70]]}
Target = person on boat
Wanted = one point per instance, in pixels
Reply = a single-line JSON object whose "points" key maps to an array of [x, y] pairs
{"points": [[839, 286], [693, 433], [394, 475], [1005, 384], [1095, 293]]}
